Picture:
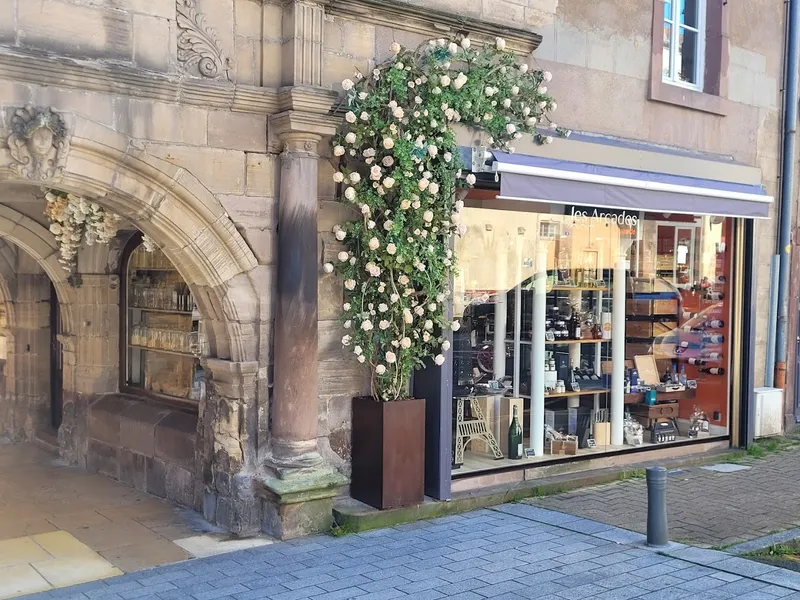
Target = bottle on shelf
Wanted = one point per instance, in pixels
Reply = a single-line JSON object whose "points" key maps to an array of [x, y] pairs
{"points": [[576, 327], [696, 361], [710, 355], [713, 339], [682, 379], [715, 296], [714, 324], [515, 437], [712, 370]]}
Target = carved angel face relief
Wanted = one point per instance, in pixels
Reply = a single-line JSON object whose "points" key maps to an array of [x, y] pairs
{"points": [[38, 143]]}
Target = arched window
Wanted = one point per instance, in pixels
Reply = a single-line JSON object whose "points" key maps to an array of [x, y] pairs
{"points": [[162, 337]]}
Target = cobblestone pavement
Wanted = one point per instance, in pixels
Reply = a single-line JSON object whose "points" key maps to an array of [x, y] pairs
{"points": [[514, 551], [705, 508]]}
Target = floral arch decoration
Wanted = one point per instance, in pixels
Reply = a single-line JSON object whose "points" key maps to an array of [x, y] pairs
{"points": [[399, 166]]}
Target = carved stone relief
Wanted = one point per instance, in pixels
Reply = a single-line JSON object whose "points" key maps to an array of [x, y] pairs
{"points": [[38, 143], [198, 44]]}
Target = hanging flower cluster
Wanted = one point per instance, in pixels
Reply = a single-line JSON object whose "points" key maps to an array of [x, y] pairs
{"points": [[73, 220], [399, 167]]}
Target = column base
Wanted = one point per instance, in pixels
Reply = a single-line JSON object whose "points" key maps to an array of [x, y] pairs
{"points": [[299, 502]]}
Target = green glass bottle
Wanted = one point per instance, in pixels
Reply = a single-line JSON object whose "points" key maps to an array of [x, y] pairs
{"points": [[515, 437]]}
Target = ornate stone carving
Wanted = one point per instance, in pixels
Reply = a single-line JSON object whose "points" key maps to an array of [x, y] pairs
{"points": [[198, 43], [38, 143]]}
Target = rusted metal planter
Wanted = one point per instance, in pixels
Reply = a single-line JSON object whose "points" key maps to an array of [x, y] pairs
{"points": [[388, 453]]}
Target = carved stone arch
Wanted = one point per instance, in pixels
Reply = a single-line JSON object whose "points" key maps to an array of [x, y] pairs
{"points": [[7, 274], [171, 206], [40, 244]]}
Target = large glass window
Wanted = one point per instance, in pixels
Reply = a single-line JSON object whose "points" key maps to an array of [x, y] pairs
{"points": [[164, 332], [586, 331]]}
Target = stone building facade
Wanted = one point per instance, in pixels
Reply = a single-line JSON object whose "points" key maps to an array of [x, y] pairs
{"points": [[204, 125]]}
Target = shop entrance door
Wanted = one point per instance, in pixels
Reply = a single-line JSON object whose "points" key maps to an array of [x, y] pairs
{"points": [[56, 362]]}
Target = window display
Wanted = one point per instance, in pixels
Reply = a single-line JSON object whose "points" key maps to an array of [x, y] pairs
{"points": [[165, 338], [586, 331]]}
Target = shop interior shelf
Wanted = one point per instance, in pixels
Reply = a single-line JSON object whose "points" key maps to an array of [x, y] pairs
{"points": [[165, 311], [162, 351], [570, 342], [571, 394], [570, 288]]}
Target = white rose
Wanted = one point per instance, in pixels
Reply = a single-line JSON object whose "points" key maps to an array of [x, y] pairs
{"points": [[338, 177], [350, 193], [515, 90], [395, 47], [399, 66], [388, 183], [465, 43], [374, 244], [364, 116], [355, 177], [366, 325], [357, 350], [348, 324], [398, 113], [408, 318], [548, 139], [445, 345], [388, 143], [547, 76], [526, 111], [439, 360], [370, 224], [403, 279], [530, 121], [350, 138], [380, 369], [383, 307], [428, 324], [459, 205], [338, 151], [375, 173], [390, 357], [428, 216], [500, 43], [460, 80], [542, 89], [327, 267], [343, 256], [455, 326], [433, 188], [387, 225], [507, 103], [447, 157], [423, 184], [383, 325], [361, 358], [511, 128], [433, 150], [391, 249], [471, 179], [387, 161], [553, 106], [350, 284], [452, 48], [405, 342], [364, 209], [394, 298], [346, 340], [347, 85], [346, 306], [444, 80], [489, 91], [405, 204], [350, 117]]}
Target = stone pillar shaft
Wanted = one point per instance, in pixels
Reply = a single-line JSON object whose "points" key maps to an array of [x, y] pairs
{"points": [[294, 408]]}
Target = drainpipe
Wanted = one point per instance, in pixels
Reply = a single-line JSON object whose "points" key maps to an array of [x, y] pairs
{"points": [[787, 187]]}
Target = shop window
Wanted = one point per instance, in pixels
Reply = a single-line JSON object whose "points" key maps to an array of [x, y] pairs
{"points": [[583, 282], [162, 330]]}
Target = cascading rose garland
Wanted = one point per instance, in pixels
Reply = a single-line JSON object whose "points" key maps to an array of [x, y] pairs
{"points": [[399, 167]]}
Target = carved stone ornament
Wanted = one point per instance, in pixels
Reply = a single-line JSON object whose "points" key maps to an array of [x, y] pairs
{"points": [[38, 143], [198, 43]]}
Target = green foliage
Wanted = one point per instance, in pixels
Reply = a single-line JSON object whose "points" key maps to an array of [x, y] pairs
{"points": [[400, 170]]}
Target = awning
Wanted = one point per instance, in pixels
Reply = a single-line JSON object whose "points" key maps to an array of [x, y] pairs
{"points": [[533, 178]]}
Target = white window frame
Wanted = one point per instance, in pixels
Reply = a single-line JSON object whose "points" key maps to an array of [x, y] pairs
{"points": [[700, 50]]}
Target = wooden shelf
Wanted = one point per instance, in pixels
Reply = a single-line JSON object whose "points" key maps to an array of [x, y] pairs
{"points": [[161, 310], [571, 394], [569, 288], [572, 342], [163, 351]]}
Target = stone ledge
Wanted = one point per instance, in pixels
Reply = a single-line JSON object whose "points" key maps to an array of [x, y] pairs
{"points": [[302, 487], [432, 23]]}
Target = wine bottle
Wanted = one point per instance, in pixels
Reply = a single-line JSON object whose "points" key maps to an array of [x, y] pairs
{"points": [[697, 361], [714, 324], [712, 370], [711, 355], [715, 296], [713, 339], [515, 437]]}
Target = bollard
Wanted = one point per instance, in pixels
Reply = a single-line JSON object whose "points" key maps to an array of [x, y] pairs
{"points": [[657, 534]]}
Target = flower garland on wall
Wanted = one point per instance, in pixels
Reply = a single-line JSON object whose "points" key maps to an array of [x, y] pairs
{"points": [[73, 220], [400, 167]]}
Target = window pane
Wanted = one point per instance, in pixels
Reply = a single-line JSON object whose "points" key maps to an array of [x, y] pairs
{"points": [[668, 10], [686, 66], [665, 57], [689, 12]]}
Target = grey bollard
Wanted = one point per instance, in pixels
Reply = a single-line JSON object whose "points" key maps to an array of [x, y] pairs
{"points": [[657, 534]]}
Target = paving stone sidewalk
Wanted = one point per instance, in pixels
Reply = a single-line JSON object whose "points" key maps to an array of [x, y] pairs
{"points": [[705, 508], [514, 551]]}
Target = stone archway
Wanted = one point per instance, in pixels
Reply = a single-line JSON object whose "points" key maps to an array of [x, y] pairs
{"points": [[183, 217]]}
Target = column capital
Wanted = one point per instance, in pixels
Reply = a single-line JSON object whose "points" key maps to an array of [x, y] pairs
{"points": [[295, 124]]}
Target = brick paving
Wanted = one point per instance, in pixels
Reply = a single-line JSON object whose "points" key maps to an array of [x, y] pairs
{"points": [[705, 508], [514, 551]]}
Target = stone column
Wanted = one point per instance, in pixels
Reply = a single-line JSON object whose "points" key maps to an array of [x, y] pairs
{"points": [[298, 492], [294, 411]]}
